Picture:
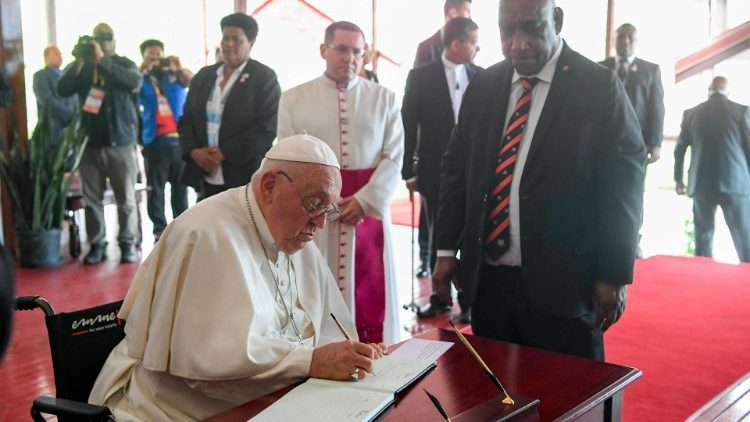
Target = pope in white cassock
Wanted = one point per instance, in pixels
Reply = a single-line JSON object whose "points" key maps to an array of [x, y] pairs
{"points": [[234, 301], [361, 122]]}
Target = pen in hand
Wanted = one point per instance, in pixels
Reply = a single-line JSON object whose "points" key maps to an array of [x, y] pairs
{"points": [[341, 327], [346, 335]]}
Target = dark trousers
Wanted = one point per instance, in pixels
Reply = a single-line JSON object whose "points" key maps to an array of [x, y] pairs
{"points": [[208, 190], [502, 311], [163, 164], [429, 216], [736, 209]]}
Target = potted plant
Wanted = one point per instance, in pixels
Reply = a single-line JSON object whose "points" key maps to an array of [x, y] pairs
{"points": [[38, 176]]}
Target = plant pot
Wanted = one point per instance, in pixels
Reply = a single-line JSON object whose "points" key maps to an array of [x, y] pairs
{"points": [[39, 248]]}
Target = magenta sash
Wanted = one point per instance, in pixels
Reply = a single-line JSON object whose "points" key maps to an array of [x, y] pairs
{"points": [[369, 270]]}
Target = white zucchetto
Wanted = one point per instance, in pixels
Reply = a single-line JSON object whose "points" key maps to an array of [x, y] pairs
{"points": [[304, 149]]}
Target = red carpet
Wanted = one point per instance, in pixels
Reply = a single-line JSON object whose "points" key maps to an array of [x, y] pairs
{"points": [[686, 328], [400, 211]]}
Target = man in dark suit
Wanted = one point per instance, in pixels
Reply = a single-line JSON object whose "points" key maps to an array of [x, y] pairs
{"points": [[229, 119], [432, 99], [431, 49], [541, 191], [60, 109], [428, 51], [642, 81], [718, 133]]}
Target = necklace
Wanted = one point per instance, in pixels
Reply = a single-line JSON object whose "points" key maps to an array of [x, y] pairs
{"points": [[287, 309]]}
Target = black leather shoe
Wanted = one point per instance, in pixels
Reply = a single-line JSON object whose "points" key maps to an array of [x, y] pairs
{"points": [[127, 253], [97, 254], [432, 310], [464, 317], [423, 270]]}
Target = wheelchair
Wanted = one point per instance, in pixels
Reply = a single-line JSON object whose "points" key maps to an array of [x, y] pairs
{"points": [[80, 343]]}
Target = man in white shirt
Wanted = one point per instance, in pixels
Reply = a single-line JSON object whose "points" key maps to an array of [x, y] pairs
{"points": [[234, 302], [361, 122], [432, 99], [541, 190]]}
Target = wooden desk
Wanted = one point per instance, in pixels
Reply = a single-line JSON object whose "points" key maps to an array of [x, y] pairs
{"points": [[569, 388], [732, 404]]}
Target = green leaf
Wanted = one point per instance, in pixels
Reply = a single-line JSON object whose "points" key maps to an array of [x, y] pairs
{"points": [[36, 176]]}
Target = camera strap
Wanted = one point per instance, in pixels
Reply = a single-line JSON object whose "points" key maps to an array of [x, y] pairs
{"points": [[98, 80]]}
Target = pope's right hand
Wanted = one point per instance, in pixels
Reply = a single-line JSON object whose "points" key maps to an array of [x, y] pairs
{"points": [[444, 273], [339, 361]]}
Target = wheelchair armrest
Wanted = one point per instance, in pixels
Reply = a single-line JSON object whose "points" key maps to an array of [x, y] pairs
{"points": [[69, 409]]}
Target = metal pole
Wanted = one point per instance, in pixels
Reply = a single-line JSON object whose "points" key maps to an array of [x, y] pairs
{"points": [[412, 305], [51, 22], [610, 28], [374, 43]]}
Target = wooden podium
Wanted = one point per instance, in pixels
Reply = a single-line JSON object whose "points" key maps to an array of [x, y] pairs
{"points": [[568, 387]]}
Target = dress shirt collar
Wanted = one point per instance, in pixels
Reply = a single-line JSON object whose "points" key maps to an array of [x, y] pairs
{"points": [[349, 85], [220, 69], [449, 65], [547, 72], [628, 59], [723, 92]]}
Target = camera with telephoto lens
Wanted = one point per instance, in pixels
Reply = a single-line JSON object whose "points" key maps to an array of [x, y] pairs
{"points": [[161, 67], [84, 49]]}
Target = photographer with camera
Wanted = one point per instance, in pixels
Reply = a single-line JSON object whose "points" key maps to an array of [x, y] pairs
{"points": [[163, 95], [107, 86]]}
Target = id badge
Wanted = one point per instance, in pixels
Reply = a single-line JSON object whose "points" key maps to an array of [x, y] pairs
{"points": [[94, 100], [164, 109]]}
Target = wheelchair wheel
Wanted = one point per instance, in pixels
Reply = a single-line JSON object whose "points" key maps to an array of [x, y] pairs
{"points": [[74, 239]]}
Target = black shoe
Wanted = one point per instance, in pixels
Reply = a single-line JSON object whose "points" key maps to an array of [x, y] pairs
{"points": [[464, 317], [423, 270], [127, 253], [432, 310], [97, 254]]}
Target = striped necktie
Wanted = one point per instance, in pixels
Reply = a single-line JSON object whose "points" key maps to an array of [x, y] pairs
{"points": [[497, 240], [622, 69]]}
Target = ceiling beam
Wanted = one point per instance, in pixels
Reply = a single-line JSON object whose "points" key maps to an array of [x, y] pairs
{"points": [[724, 46]]}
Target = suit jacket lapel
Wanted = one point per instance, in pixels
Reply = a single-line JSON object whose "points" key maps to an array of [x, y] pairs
{"points": [[441, 84], [555, 98], [203, 93], [498, 109], [238, 93]]}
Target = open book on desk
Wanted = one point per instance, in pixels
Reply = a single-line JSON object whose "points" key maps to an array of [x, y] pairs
{"points": [[363, 400]]}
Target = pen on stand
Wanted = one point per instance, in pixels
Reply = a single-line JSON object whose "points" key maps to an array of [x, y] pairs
{"points": [[438, 406], [493, 378], [343, 331]]}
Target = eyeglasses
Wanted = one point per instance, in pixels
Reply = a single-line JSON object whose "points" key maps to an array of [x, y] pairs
{"points": [[313, 211], [344, 50]]}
